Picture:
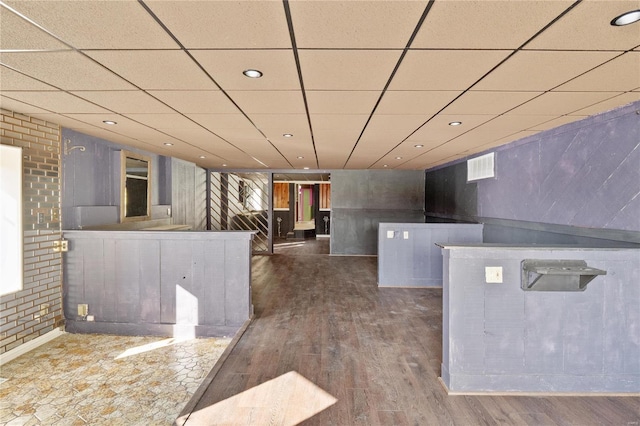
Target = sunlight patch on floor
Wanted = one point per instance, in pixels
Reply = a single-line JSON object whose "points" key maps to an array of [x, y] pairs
{"points": [[286, 400]]}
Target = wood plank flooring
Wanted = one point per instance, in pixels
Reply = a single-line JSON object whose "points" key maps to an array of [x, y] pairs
{"points": [[377, 351]]}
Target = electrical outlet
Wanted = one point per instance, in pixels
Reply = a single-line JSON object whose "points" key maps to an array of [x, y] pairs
{"points": [[405, 235], [83, 309], [40, 217], [90, 318], [493, 274], [61, 246], [55, 215]]}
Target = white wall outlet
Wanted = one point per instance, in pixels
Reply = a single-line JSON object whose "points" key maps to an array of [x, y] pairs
{"points": [[405, 235], [90, 318], [391, 234], [83, 309], [493, 274]]}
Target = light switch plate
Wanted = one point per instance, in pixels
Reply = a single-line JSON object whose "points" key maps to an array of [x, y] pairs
{"points": [[391, 234], [405, 235], [493, 274]]}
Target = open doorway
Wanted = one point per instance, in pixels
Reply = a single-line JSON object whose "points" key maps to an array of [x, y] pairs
{"points": [[302, 213]]}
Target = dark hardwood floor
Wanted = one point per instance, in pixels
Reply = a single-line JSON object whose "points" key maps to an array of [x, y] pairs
{"points": [[377, 351], [302, 247]]}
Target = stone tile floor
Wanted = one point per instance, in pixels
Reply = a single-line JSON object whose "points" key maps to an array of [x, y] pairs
{"points": [[80, 379]]}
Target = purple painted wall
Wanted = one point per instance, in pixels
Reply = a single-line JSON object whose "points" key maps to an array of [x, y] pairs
{"points": [[583, 175]]}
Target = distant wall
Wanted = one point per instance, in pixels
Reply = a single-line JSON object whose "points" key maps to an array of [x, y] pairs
{"points": [[361, 199], [580, 181]]}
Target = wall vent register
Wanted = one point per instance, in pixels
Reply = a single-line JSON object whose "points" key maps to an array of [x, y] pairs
{"points": [[557, 275]]}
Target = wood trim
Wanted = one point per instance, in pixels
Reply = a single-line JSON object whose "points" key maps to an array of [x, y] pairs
{"points": [[123, 182]]}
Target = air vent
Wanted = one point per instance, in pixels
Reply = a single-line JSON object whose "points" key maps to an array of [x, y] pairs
{"points": [[481, 167]]}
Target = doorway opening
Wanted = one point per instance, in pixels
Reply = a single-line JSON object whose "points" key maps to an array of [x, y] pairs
{"points": [[302, 212]]}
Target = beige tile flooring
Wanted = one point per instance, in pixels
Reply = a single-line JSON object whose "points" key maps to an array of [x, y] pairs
{"points": [[105, 380]]}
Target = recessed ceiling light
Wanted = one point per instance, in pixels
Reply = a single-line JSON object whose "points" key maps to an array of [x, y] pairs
{"points": [[252, 73], [385, 166], [306, 168], [418, 146], [202, 156], [224, 165], [398, 158], [109, 122], [168, 144], [626, 18], [455, 123], [287, 135], [300, 157]]}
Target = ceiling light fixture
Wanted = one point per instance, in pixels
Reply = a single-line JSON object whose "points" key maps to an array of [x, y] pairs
{"points": [[252, 73], [418, 146], [287, 135], [300, 157], [110, 122], [306, 168], [398, 158], [455, 123], [202, 156], [224, 165], [385, 165], [168, 144], [626, 18]]}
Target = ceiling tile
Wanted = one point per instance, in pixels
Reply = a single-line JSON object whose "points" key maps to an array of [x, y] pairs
{"points": [[609, 104], [125, 101], [59, 102], [342, 102], [125, 125], [425, 103], [229, 126], [225, 24], [18, 34], [438, 130], [556, 122], [560, 103], [278, 68], [269, 102], [541, 71], [274, 126], [444, 69], [164, 121], [98, 24], [21, 107], [12, 80], [200, 101], [587, 26], [335, 135], [155, 69], [347, 69], [485, 24], [377, 25], [383, 133], [621, 74], [493, 103], [65, 70]]}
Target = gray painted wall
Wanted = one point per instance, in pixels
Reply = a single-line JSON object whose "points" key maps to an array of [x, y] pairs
{"points": [[158, 283], [91, 185], [497, 337], [188, 194], [361, 199], [583, 175], [416, 261]]}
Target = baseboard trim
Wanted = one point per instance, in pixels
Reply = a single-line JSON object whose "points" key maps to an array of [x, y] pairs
{"points": [[30, 345], [535, 394]]}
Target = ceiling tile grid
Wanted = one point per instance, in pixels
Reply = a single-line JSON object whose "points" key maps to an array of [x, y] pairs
{"points": [[363, 81]]}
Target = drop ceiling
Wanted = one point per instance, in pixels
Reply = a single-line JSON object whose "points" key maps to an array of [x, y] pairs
{"points": [[359, 84]]}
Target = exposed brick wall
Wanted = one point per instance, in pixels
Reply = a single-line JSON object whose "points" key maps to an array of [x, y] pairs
{"points": [[20, 312]]}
